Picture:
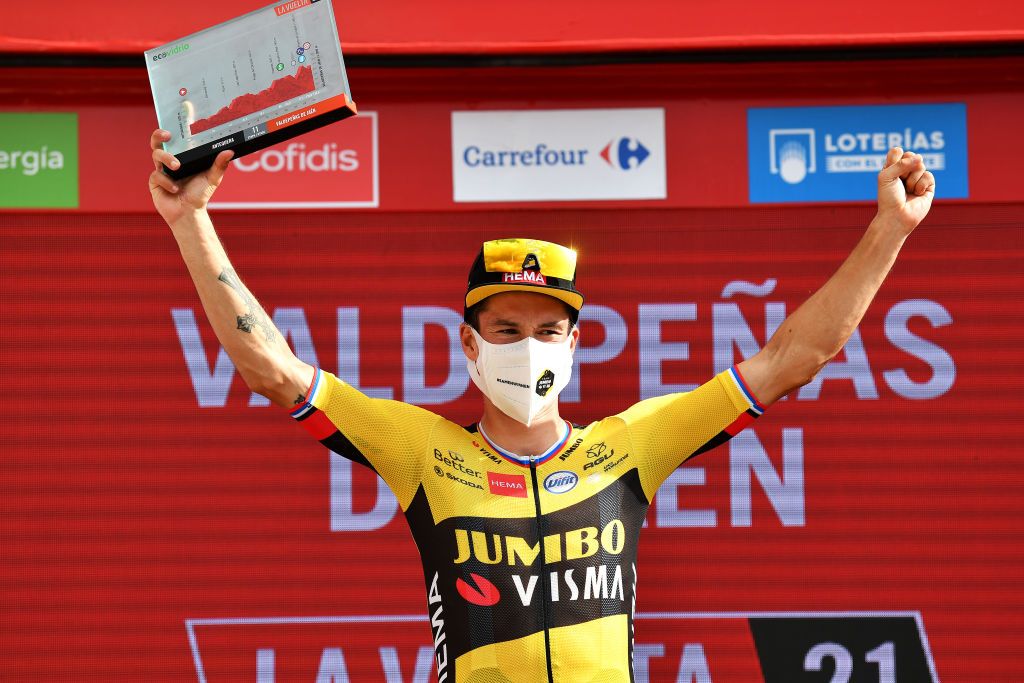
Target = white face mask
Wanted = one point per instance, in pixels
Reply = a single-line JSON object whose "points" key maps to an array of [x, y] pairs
{"points": [[521, 378]]}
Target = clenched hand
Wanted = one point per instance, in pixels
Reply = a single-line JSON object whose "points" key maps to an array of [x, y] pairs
{"points": [[905, 190]]}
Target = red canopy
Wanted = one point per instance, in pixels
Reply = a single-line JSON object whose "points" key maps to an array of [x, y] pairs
{"points": [[391, 27]]}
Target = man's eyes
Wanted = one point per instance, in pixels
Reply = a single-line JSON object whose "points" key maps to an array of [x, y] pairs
{"points": [[514, 331]]}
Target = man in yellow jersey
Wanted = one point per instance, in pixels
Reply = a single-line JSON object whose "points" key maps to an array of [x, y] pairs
{"points": [[527, 525]]}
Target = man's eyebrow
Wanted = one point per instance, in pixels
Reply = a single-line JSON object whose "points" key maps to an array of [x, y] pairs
{"points": [[501, 322]]}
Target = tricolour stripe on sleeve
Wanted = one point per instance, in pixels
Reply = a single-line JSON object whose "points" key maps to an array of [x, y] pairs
{"points": [[320, 427], [755, 406], [315, 387]]}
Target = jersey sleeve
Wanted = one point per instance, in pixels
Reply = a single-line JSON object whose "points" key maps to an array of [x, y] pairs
{"points": [[388, 436], [667, 430]]}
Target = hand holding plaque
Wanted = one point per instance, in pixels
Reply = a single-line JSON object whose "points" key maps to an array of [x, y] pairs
{"points": [[249, 83], [175, 199]]}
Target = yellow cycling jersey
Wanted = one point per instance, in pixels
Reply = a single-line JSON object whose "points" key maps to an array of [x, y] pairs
{"points": [[528, 563]]}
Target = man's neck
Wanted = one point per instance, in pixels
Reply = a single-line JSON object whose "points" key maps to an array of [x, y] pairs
{"points": [[544, 430]]}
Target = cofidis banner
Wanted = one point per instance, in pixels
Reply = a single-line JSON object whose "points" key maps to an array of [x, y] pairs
{"points": [[820, 154]]}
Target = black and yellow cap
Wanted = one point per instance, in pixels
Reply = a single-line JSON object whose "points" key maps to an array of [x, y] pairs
{"points": [[524, 265]]}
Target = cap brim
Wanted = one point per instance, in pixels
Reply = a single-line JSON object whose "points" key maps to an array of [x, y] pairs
{"points": [[478, 294]]}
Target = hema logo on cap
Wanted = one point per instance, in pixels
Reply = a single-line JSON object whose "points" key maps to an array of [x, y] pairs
{"points": [[575, 154], [810, 154], [526, 276]]}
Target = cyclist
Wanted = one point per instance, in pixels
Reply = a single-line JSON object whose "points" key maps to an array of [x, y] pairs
{"points": [[527, 524]]}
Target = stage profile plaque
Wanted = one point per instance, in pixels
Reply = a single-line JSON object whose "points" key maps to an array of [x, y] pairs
{"points": [[249, 83]]}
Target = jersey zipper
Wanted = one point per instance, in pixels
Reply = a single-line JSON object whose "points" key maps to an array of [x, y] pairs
{"points": [[543, 567]]}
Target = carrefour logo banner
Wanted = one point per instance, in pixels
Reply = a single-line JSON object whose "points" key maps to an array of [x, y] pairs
{"points": [[817, 154], [571, 154]]}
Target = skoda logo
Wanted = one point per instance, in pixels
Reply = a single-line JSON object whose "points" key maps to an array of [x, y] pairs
{"points": [[560, 482]]}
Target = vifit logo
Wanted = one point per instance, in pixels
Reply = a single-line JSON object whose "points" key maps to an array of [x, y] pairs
{"points": [[561, 482], [38, 160], [625, 153]]}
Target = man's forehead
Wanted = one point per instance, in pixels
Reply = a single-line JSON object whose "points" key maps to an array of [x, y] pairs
{"points": [[516, 306]]}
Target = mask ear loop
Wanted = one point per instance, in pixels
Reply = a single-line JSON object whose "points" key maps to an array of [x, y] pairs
{"points": [[479, 353], [568, 340]]}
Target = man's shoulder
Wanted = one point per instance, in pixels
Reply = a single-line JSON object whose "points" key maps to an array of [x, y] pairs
{"points": [[345, 402]]}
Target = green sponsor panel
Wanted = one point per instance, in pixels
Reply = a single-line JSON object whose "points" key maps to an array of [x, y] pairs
{"points": [[38, 160]]}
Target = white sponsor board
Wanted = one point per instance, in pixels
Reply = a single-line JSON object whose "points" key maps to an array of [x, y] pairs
{"points": [[566, 154]]}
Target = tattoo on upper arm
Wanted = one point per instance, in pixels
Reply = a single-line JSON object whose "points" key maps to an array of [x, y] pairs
{"points": [[255, 316], [300, 399]]}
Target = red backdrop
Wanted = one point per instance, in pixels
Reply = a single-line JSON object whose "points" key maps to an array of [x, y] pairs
{"points": [[156, 526], [134, 518], [392, 27]]}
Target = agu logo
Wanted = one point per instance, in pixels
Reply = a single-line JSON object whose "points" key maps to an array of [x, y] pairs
{"points": [[621, 153]]}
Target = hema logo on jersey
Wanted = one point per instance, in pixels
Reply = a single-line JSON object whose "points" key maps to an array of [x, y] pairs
{"points": [[810, 154], [555, 155], [513, 485]]}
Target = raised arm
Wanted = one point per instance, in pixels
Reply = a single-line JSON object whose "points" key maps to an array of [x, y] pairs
{"points": [[255, 345], [817, 331]]}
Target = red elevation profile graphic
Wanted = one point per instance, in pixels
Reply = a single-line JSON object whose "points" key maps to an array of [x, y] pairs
{"points": [[484, 593], [279, 91]]}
